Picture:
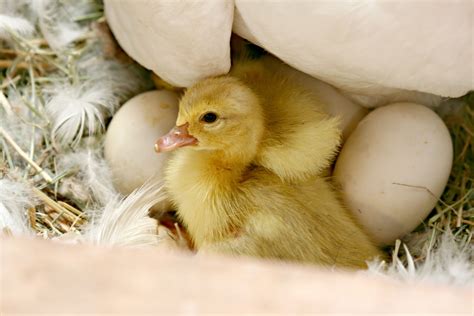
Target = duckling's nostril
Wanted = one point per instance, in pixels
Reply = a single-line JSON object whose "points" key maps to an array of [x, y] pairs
{"points": [[177, 137]]}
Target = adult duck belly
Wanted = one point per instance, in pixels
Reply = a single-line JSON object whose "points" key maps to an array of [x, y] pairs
{"points": [[368, 47]]}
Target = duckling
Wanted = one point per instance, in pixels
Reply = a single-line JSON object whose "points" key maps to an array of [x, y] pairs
{"points": [[245, 178]]}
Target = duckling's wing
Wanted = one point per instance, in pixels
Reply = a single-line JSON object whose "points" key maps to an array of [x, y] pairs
{"points": [[300, 139]]}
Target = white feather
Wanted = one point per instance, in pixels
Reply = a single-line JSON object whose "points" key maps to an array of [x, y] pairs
{"points": [[21, 8], [446, 262], [91, 181], [124, 81], [15, 199], [56, 20], [17, 17], [14, 24], [23, 134], [81, 109], [76, 110], [126, 222]]}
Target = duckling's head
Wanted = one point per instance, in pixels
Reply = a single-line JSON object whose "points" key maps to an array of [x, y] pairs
{"points": [[217, 114]]}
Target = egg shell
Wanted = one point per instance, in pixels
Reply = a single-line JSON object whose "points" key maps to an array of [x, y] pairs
{"points": [[394, 167], [130, 138]]}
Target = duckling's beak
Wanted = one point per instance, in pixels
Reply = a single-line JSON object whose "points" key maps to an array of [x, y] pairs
{"points": [[177, 137]]}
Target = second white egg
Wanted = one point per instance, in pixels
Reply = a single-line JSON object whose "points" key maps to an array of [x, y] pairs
{"points": [[130, 139], [394, 167]]}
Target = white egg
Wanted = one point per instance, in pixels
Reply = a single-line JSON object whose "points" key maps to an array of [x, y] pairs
{"points": [[130, 139], [394, 167]]}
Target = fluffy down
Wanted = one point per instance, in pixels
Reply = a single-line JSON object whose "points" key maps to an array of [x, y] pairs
{"points": [[15, 199], [251, 183], [446, 262], [125, 222]]}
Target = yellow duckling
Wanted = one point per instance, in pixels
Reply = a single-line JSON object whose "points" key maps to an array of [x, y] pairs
{"points": [[245, 178]]}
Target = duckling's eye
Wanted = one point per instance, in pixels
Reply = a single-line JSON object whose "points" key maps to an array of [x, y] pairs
{"points": [[209, 117]]}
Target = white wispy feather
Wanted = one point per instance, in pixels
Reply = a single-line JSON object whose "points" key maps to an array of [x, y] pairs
{"points": [[92, 180], [19, 8], [25, 135], [448, 262], [56, 20], [16, 16], [15, 199], [15, 24], [124, 81], [126, 222], [16, 129], [81, 109]]}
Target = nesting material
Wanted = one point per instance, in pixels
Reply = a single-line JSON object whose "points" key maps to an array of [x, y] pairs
{"points": [[444, 260], [17, 202], [60, 83]]}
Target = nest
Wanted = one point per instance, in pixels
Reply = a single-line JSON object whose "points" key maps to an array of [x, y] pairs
{"points": [[54, 152]]}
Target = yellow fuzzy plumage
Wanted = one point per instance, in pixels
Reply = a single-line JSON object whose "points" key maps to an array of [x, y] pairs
{"points": [[252, 184]]}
